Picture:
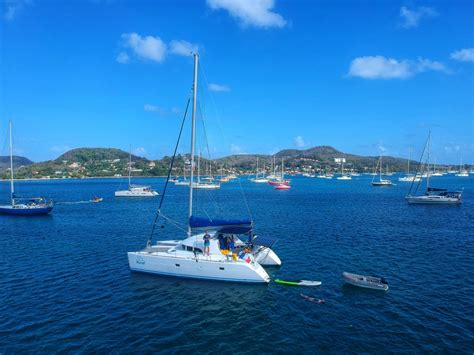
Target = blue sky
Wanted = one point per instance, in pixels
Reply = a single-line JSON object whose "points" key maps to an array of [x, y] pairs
{"points": [[367, 77]]}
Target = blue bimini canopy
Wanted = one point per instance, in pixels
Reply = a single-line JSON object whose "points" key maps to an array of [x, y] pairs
{"points": [[231, 226]]}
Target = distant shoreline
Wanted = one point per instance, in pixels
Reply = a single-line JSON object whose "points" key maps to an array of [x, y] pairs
{"points": [[86, 178]]}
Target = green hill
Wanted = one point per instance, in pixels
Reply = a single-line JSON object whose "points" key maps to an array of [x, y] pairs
{"points": [[17, 162]]}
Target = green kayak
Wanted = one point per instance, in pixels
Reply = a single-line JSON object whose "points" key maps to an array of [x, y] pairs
{"points": [[298, 283]]}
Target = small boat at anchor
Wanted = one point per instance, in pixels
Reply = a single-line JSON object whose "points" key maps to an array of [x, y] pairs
{"points": [[374, 283], [23, 206]]}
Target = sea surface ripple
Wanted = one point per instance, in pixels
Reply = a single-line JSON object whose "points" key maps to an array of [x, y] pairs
{"points": [[65, 285]]}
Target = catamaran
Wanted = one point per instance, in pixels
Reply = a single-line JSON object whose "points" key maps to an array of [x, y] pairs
{"points": [[135, 190], [432, 195], [23, 206], [380, 181], [213, 249]]}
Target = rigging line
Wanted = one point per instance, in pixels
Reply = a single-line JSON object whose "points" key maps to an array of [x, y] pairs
{"points": [[174, 223], [213, 200], [169, 172], [420, 165], [225, 138]]}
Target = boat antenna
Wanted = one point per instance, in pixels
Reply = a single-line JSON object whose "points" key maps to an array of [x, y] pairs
{"points": [[12, 188], [169, 174], [193, 140]]}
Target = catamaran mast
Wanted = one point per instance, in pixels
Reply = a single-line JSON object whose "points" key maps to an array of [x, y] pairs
{"points": [[12, 188], [193, 134]]}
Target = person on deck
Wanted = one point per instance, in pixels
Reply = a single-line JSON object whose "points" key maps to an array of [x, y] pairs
{"points": [[231, 243], [207, 243]]}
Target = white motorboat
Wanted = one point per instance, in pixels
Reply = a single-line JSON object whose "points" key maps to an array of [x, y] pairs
{"points": [[225, 258], [135, 190]]}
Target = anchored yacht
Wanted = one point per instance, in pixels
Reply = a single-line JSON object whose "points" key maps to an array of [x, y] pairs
{"points": [[135, 190], [214, 249]]}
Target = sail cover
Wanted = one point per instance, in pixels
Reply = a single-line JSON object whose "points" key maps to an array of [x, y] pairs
{"points": [[232, 226]]}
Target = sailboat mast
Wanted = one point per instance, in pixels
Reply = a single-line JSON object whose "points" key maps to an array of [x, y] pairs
{"points": [[428, 172], [409, 157], [130, 166], [380, 171], [12, 188], [193, 134]]}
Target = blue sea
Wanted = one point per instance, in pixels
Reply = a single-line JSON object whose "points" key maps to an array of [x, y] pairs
{"points": [[65, 285]]}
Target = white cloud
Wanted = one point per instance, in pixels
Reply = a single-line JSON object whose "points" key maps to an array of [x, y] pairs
{"points": [[464, 55], [218, 88], [148, 47], [140, 151], [60, 148], [381, 147], [13, 7], [152, 48], [256, 13], [183, 48], [123, 58], [411, 17], [299, 142], [153, 108], [235, 149], [160, 110], [380, 67]]}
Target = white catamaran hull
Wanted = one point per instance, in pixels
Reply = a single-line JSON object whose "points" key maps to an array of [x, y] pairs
{"points": [[167, 265]]}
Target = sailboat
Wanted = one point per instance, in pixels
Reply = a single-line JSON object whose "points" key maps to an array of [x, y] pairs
{"points": [[23, 206], [135, 190], [380, 181], [409, 177], [206, 252], [432, 195], [259, 179], [279, 182], [462, 172], [183, 182], [343, 176], [280, 179], [208, 184]]}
